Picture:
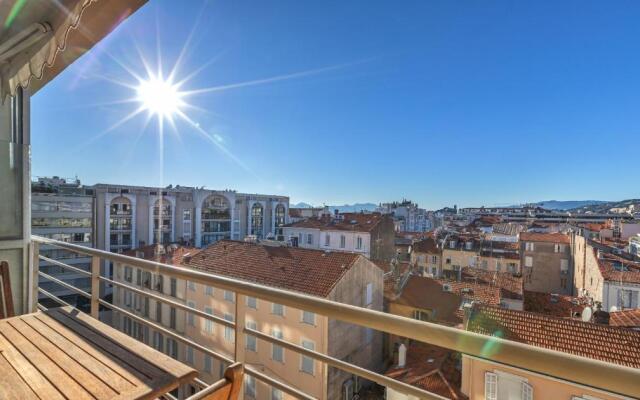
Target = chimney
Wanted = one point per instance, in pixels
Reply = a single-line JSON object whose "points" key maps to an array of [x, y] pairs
{"points": [[402, 356], [600, 316]]}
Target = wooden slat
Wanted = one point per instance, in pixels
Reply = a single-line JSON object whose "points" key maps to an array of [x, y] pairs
{"points": [[95, 365], [37, 382], [58, 377], [152, 356], [11, 384], [134, 377]]}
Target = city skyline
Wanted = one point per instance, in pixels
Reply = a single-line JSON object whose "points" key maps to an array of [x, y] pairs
{"points": [[531, 85]]}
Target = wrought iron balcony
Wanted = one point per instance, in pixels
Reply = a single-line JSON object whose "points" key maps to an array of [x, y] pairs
{"points": [[584, 371]]}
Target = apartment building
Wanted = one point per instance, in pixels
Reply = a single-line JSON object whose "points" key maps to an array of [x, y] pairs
{"points": [[128, 217], [458, 252], [546, 262], [369, 234], [345, 277], [426, 255], [605, 278], [482, 379], [408, 217], [62, 209]]}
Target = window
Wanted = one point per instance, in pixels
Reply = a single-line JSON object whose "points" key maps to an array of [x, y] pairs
{"points": [[359, 243], [343, 241], [192, 286], [249, 386], [277, 309], [529, 246], [146, 279], [564, 266], [277, 352], [208, 324], [251, 341], [172, 348], [174, 288], [252, 302], [159, 283], [327, 240], [490, 386], [158, 311], [434, 259], [191, 319], [128, 274], [139, 277], [309, 238], [527, 391], [276, 394], [145, 309], [420, 315], [172, 318], [228, 331], [208, 363], [229, 296], [306, 363], [188, 354], [208, 290], [368, 294], [627, 298], [308, 317], [158, 341], [528, 261]]}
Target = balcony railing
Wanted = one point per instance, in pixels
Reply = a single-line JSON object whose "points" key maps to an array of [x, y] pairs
{"points": [[557, 365]]}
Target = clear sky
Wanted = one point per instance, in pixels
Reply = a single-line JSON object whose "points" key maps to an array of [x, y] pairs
{"points": [[442, 102]]}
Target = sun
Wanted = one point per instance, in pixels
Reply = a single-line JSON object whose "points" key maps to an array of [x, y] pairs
{"points": [[159, 97]]}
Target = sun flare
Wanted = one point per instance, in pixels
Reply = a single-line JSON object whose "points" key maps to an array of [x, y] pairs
{"points": [[159, 97]]}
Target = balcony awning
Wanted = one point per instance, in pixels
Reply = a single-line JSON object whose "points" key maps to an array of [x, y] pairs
{"points": [[40, 38]]}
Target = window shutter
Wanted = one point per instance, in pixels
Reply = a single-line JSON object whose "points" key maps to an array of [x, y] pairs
{"points": [[490, 386], [527, 391]]}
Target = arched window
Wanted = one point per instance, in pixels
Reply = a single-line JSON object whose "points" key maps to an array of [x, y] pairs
{"points": [[279, 221], [257, 220], [216, 219], [162, 217]]}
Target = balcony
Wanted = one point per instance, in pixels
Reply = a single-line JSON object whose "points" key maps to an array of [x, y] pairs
{"points": [[583, 371]]}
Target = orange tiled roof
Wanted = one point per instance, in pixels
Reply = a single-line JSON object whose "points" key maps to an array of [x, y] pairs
{"points": [[544, 237], [601, 342], [511, 286], [314, 272], [618, 269], [554, 305], [358, 222], [171, 254], [625, 318], [427, 245], [431, 368]]}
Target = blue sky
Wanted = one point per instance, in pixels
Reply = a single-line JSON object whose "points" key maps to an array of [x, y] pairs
{"points": [[442, 102]]}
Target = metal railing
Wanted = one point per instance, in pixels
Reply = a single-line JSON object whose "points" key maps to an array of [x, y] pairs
{"points": [[583, 371]]}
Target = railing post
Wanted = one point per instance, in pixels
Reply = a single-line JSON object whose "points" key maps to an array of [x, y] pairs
{"points": [[34, 267], [239, 339], [95, 287]]}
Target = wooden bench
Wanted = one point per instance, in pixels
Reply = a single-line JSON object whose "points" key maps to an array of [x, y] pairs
{"points": [[227, 388]]}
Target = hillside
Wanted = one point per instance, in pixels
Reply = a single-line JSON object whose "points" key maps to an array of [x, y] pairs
{"points": [[357, 207], [631, 206]]}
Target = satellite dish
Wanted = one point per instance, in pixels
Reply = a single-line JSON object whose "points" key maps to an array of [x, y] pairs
{"points": [[586, 314], [613, 309]]}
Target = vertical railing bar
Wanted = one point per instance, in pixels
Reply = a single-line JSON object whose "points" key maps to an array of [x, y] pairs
{"points": [[95, 287], [239, 333]]}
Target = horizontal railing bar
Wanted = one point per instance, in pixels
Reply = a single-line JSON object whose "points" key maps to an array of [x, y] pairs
{"points": [[65, 285], [582, 370], [170, 302], [200, 382], [249, 370], [167, 332], [63, 265], [354, 369], [41, 307], [54, 297], [208, 390]]}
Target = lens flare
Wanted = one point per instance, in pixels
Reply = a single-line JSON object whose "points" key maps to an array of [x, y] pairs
{"points": [[159, 97]]}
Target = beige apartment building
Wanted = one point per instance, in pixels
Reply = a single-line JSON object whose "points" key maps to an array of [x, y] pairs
{"points": [[482, 379], [344, 277], [546, 262]]}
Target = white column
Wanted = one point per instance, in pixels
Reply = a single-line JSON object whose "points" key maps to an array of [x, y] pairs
{"points": [[134, 236], [151, 218], [249, 218], [274, 205]]}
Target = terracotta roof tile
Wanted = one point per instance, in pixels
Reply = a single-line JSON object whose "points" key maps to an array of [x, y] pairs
{"points": [[427, 245], [618, 269], [554, 305], [544, 237], [511, 286], [431, 368], [625, 318], [601, 342], [314, 272], [358, 222]]}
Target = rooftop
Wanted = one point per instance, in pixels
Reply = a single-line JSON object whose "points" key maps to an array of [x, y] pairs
{"points": [[600, 342], [359, 222], [554, 305], [618, 269], [511, 286], [544, 237], [625, 318]]}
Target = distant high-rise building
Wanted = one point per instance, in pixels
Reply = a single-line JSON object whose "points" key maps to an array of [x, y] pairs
{"points": [[408, 216]]}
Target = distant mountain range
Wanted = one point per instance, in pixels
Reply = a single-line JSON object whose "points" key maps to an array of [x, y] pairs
{"points": [[357, 207], [630, 205]]}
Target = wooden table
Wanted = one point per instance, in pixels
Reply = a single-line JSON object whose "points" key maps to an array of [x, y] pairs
{"points": [[63, 353]]}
